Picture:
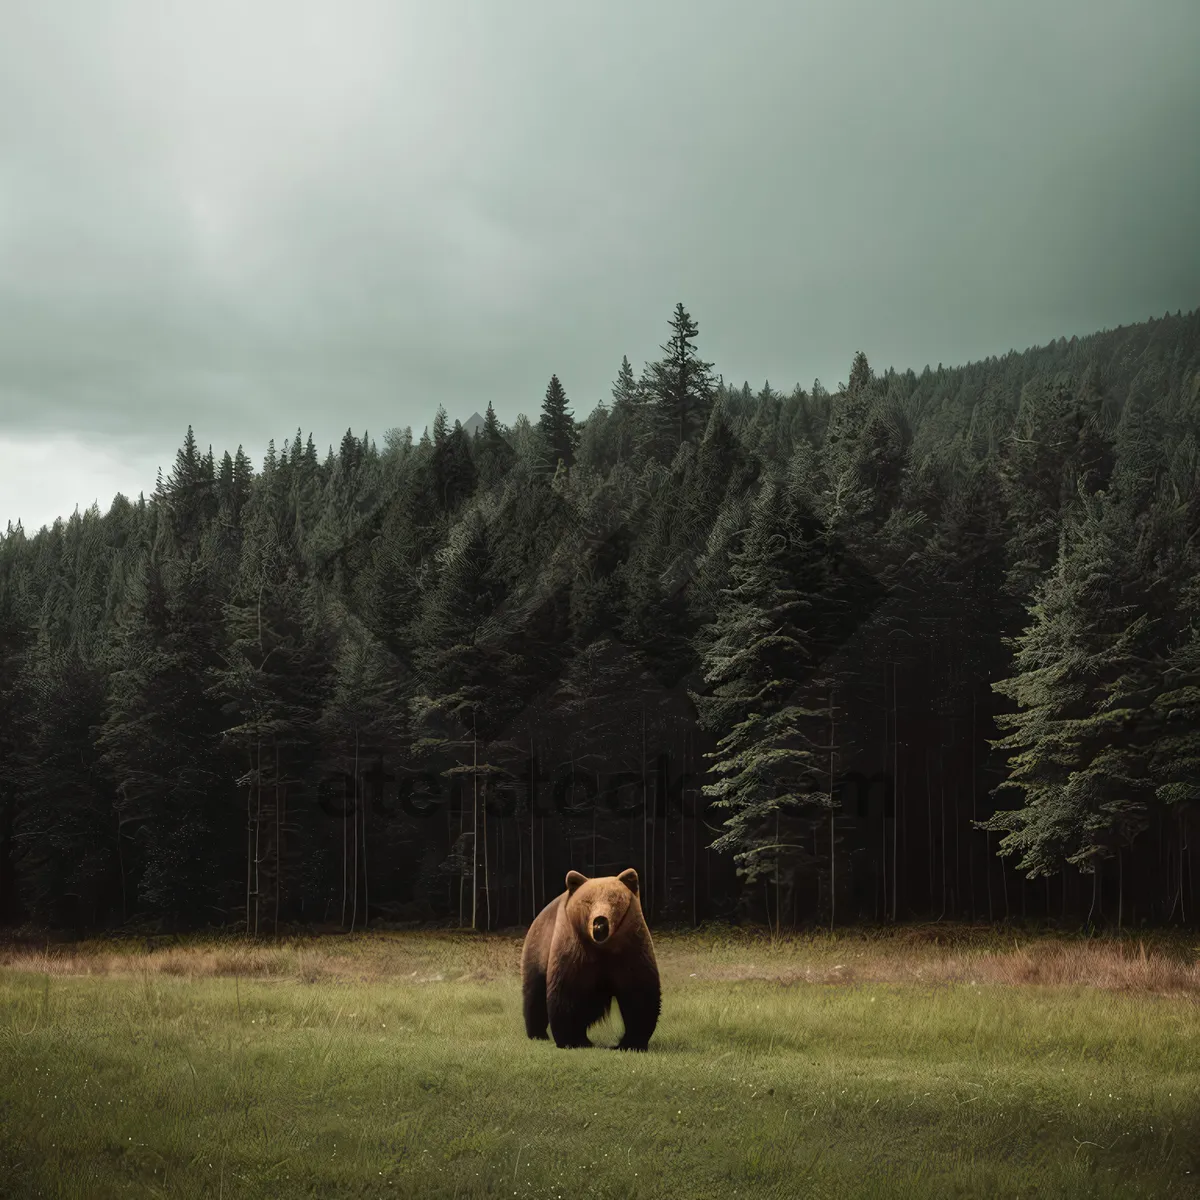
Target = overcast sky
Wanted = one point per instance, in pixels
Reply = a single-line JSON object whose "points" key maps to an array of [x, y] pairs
{"points": [[257, 215]]}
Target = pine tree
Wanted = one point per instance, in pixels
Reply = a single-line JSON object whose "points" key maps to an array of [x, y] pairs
{"points": [[67, 823], [187, 494], [493, 453], [680, 384], [350, 453], [1078, 742], [276, 672], [1052, 448], [468, 687], [764, 703], [16, 640], [1175, 759], [596, 452], [721, 467], [655, 579], [625, 391], [557, 425], [631, 424], [363, 720], [160, 742], [453, 466]]}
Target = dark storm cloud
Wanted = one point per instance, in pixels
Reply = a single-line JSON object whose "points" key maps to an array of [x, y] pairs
{"points": [[253, 217]]}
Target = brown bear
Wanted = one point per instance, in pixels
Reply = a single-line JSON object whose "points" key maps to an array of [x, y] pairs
{"points": [[587, 947]]}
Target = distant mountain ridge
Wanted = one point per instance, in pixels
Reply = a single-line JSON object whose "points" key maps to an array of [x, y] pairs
{"points": [[473, 424]]}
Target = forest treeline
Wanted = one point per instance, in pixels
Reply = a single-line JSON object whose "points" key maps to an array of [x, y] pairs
{"points": [[924, 646]]}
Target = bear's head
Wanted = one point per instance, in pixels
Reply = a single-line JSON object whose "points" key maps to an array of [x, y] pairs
{"points": [[601, 909]]}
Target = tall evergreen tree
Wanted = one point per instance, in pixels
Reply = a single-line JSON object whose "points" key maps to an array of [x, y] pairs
{"points": [[273, 681], [680, 384], [493, 454], [1078, 745], [160, 742], [769, 712], [16, 640], [1048, 452], [363, 722], [632, 430], [557, 425], [469, 686]]}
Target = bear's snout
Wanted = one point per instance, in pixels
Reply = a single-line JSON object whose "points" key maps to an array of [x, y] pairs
{"points": [[600, 930]]}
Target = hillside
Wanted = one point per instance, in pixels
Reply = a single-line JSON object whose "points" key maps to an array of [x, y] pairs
{"points": [[781, 653]]}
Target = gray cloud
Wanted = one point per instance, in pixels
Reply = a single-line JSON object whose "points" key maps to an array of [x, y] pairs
{"points": [[253, 217]]}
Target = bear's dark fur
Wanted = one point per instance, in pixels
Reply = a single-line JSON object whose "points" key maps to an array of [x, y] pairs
{"points": [[587, 947]]}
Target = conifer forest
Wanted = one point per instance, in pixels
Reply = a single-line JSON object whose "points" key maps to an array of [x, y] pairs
{"points": [[920, 647]]}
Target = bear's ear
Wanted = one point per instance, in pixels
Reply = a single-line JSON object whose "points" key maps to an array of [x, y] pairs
{"points": [[574, 879], [630, 880]]}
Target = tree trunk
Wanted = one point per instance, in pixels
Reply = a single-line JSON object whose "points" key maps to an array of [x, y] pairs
{"points": [[883, 806], [833, 807], [354, 909], [474, 849], [929, 815], [249, 839], [365, 874], [278, 840], [956, 893], [1120, 888], [942, 792], [120, 866], [345, 852], [646, 883], [257, 833], [987, 836], [778, 909], [521, 865], [1095, 889], [1183, 847], [695, 861], [895, 798], [487, 878], [661, 792], [533, 910]]}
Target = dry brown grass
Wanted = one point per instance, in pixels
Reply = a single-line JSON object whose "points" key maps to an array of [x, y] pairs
{"points": [[360, 957], [1161, 965], [1111, 966]]}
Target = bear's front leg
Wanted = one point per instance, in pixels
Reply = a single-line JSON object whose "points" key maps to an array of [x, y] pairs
{"points": [[571, 1006], [536, 1015], [568, 1023], [640, 1006]]}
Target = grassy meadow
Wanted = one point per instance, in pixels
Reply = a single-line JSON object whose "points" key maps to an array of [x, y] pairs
{"points": [[917, 1063]]}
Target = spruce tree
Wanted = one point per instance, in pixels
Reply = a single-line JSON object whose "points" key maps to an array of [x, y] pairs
{"points": [[453, 466], [16, 640], [631, 425], [557, 426], [468, 687], [680, 384], [75, 851], [363, 721], [275, 674], [493, 454], [1052, 448], [1078, 743], [160, 742], [764, 701], [1175, 759]]}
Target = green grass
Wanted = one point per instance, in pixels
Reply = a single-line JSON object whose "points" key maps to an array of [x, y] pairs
{"points": [[396, 1065]]}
